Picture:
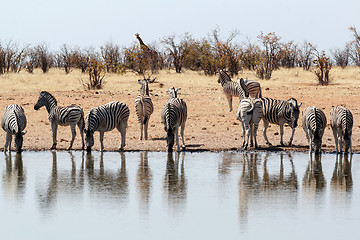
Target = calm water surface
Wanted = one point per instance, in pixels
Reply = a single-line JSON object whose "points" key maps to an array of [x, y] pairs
{"points": [[74, 195]]}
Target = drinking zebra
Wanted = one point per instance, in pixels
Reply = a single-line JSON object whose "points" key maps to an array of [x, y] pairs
{"points": [[173, 115], [144, 108], [105, 118], [239, 89], [314, 123], [341, 121], [14, 122], [64, 116], [280, 112], [249, 114]]}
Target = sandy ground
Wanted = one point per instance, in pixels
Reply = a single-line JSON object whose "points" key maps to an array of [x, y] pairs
{"points": [[209, 127]]}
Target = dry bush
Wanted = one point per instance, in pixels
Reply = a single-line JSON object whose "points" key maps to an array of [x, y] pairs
{"points": [[96, 71], [322, 66]]}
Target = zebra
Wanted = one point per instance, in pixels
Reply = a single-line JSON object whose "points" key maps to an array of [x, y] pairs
{"points": [[239, 89], [64, 116], [314, 123], [105, 118], [143, 108], [14, 122], [173, 115], [249, 114], [280, 112], [341, 121]]}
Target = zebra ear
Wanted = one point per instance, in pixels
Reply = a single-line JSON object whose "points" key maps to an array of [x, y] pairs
{"points": [[139, 81], [176, 89], [169, 89], [23, 133], [299, 105]]}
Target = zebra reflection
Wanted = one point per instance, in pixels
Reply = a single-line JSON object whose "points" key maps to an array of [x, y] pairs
{"points": [[14, 177], [143, 180], [175, 183]]}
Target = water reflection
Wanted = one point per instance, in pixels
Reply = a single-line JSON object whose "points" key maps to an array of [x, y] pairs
{"points": [[341, 181], [14, 177], [60, 182], [314, 183], [175, 183], [249, 185], [273, 187], [280, 180], [143, 181], [107, 183]]}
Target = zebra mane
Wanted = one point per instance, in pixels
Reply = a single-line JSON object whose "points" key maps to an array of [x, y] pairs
{"points": [[47, 93]]}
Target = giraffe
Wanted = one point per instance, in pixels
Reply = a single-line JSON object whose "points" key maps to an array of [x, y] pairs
{"points": [[142, 44]]}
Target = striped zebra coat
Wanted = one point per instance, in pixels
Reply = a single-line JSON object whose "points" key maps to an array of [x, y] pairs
{"points": [[64, 116], [13, 122], [173, 115], [280, 112], [341, 121], [143, 108], [105, 118], [241, 88], [314, 124], [249, 114]]}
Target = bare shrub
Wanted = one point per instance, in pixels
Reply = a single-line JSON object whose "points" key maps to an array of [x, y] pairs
{"points": [[96, 71], [322, 66], [178, 52], [341, 56], [354, 47], [268, 56], [305, 56], [111, 55], [44, 57]]}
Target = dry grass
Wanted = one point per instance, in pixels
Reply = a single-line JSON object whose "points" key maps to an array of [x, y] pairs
{"points": [[209, 126]]}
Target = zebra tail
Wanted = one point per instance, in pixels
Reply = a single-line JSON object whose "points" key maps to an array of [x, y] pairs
{"points": [[167, 116], [252, 107], [259, 93], [17, 123]]}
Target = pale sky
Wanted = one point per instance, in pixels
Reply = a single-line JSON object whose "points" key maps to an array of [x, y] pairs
{"points": [[86, 23]]}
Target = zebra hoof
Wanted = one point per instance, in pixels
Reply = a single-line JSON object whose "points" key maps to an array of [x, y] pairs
{"points": [[269, 144], [245, 148]]}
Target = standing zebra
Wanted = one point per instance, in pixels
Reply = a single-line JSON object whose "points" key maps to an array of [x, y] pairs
{"points": [[249, 114], [239, 89], [280, 112], [173, 115], [341, 121], [314, 123], [144, 108], [14, 122], [105, 118], [64, 116]]}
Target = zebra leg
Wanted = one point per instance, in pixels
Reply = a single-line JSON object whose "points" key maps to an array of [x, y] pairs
{"points": [[336, 139], [282, 134], [266, 125], [122, 130], [141, 130], [146, 125], [251, 135], [73, 135], [292, 136], [177, 138], [256, 126], [182, 135], [340, 140], [101, 141], [54, 133], [8, 142], [229, 98], [243, 133], [247, 129], [81, 129]]}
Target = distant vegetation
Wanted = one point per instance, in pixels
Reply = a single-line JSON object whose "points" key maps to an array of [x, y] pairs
{"points": [[207, 55]]}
